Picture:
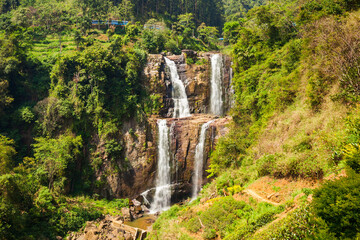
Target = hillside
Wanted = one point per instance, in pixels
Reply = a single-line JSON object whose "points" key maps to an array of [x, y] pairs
{"points": [[232, 119]]}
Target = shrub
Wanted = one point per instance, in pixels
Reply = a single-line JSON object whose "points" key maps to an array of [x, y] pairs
{"points": [[223, 213], [337, 203], [265, 165], [209, 234], [193, 225], [27, 115], [352, 156], [223, 182]]}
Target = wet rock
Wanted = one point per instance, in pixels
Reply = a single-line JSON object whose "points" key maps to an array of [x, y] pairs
{"points": [[136, 203], [109, 229], [91, 235], [144, 208], [138, 209], [128, 236], [126, 214]]}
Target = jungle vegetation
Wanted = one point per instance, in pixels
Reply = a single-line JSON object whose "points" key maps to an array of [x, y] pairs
{"points": [[64, 81]]}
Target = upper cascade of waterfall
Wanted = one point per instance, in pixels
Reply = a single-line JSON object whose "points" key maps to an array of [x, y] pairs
{"points": [[162, 195], [216, 101], [181, 104], [199, 160]]}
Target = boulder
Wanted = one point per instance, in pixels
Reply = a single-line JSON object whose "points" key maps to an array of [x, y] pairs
{"points": [[126, 214], [128, 236]]}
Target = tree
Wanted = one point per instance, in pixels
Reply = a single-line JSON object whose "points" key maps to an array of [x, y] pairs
{"points": [[55, 18], [78, 39], [153, 40], [187, 23], [55, 157], [83, 23], [231, 31], [7, 152], [8, 5], [5, 99], [208, 34], [97, 9], [125, 10]]}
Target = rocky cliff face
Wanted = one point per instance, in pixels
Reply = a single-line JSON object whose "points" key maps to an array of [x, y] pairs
{"points": [[135, 172], [194, 70], [140, 155]]}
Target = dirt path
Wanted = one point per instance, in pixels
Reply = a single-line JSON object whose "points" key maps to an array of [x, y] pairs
{"points": [[257, 196]]}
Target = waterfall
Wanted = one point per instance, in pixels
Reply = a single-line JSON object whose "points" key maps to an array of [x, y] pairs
{"points": [[216, 102], [199, 160], [181, 104], [162, 195], [232, 91], [144, 195]]}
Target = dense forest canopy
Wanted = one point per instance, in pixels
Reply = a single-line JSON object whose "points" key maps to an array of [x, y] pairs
{"points": [[68, 85], [210, 12]]}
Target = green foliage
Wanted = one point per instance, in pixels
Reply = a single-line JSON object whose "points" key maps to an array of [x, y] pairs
{"points": [[45, 200], [154, 40], [56, 158], [336, 202], [193, 225], [27, 115], [231, 31], [316, 9], [352, 156], [208, 35], [209, 234], [186, 21], [225, 217], [95, 85], [153, 105], [299, 224], [133, 30], [7, 152], [223, 213], [234, 10], [223, 182], [266, 165], [169, 214], [5, 99]]}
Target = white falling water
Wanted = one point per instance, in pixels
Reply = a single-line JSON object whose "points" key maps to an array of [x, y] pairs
{"points": [[144, 195], [162, 195], [199, 160], [181, 104], [216, 102], [232, 91]]}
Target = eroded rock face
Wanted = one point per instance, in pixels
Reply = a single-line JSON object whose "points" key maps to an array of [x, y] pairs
{"points": [[135, 171], [184, 137], [194, 70], [140, 154]]}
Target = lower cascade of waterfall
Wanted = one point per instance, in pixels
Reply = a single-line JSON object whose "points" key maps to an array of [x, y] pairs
{"points": [[181, 104], [216, 102], [162, 195], [199, 160]]}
